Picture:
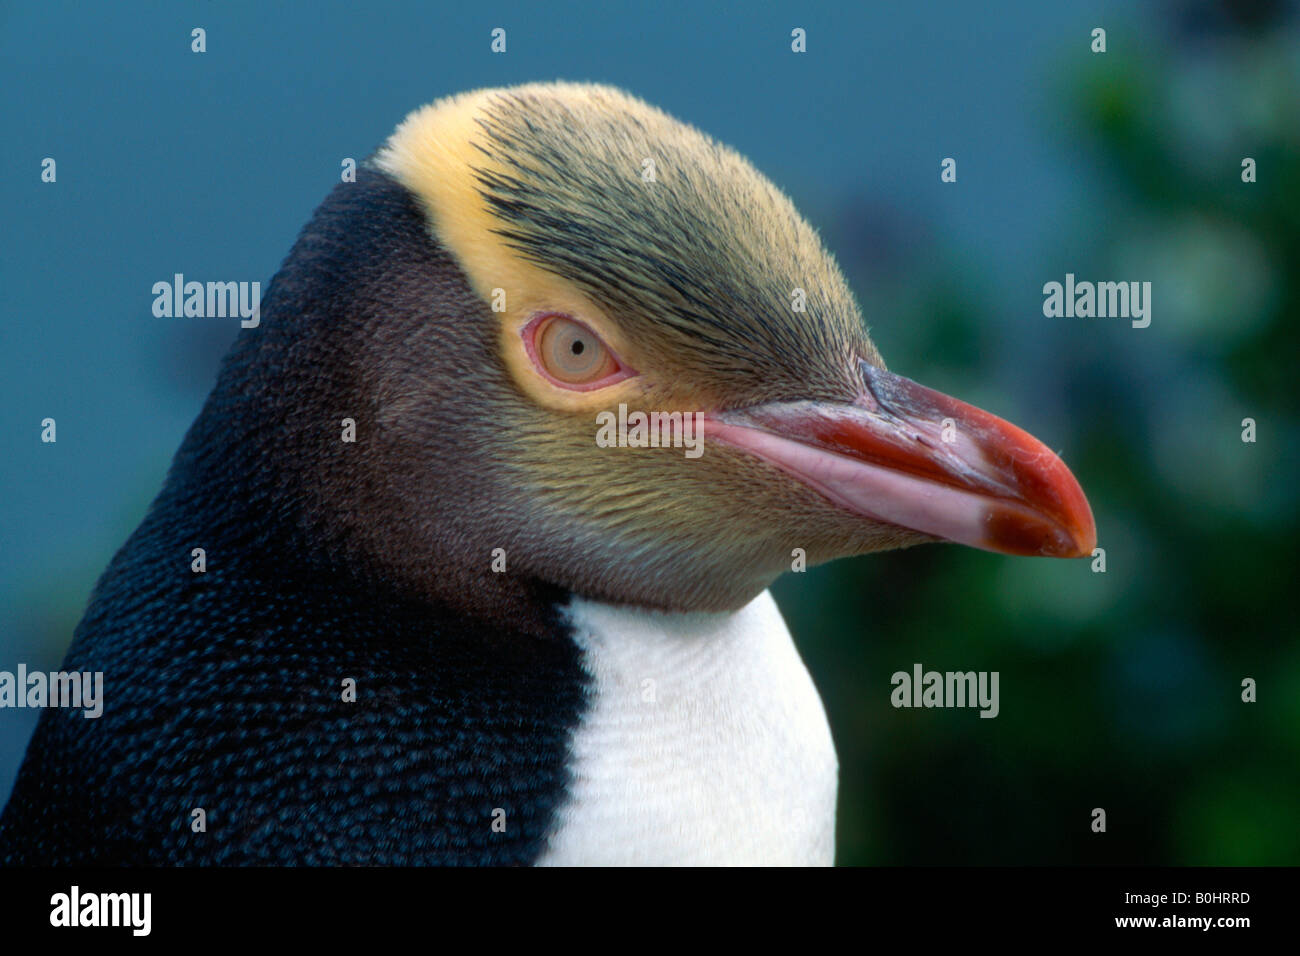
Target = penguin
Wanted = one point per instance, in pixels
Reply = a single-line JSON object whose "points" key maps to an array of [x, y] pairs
{"points": [[438, 620]]}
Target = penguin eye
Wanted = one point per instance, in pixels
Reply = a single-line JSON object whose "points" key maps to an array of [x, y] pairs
{"points": [[571, 355]]}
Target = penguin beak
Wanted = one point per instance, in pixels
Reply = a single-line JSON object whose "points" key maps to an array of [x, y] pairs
{"points": [[906, 455]]}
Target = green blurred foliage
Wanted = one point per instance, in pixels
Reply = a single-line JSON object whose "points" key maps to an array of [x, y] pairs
{"points": [[1119, 690]]}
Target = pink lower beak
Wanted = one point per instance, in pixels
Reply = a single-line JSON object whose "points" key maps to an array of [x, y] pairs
{"points": [[906, 455]]}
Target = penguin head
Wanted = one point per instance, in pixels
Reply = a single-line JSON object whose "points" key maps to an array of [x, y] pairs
{"points": [[635, 284]]}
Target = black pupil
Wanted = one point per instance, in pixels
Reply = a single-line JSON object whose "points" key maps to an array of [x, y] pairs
{"points": [[578, 347]]}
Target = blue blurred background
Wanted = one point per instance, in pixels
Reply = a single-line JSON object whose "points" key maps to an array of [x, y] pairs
{"points": [[1119, 690]]}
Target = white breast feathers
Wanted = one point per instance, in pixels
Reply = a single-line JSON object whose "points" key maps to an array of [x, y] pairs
{"points": [[706, 744]]}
